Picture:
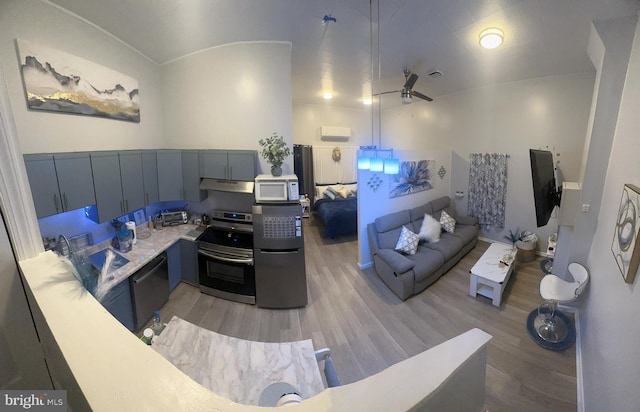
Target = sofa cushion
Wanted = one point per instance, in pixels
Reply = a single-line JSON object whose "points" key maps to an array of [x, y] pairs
{"points": [[417, 213], [430, 229], [389, 228], [407, 242], [440, 203], [448, 223], [426, 261], [449, 245], [466, 233]]}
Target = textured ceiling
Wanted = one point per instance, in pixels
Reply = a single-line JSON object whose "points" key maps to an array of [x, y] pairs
{"points": [[542, 37]]}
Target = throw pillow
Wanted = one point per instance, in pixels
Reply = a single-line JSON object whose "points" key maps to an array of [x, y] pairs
{"points": [[408, 242], [344, 192], [331, 193], [430, 229], [448, 223]]}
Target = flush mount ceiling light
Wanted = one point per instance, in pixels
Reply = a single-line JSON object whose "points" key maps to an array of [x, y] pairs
{"points": [[491, 38], [327, 95]]}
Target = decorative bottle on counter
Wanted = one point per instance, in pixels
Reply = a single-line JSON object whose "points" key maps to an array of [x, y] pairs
{"points": [[158, 326]]}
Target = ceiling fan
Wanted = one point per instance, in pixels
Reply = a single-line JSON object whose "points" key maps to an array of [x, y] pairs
{"points": [[407, 91]]}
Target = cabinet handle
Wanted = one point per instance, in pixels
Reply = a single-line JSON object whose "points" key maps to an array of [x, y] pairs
{"points": [[121, 209], [181, 194], [126, 205], [66, 202], [55, 202], [230, 172], [146, 196]]}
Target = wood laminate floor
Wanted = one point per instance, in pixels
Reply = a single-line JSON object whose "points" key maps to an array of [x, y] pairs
{"points": [[368, 328]]}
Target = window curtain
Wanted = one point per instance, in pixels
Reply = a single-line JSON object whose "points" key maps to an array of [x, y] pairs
{"points": [[303, 168], [488, 188]]}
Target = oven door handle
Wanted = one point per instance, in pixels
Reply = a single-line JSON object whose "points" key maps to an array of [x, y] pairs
{"points": [[226, 259]]}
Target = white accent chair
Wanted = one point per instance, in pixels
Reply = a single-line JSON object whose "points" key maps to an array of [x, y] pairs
{"points": [[554, 290]]}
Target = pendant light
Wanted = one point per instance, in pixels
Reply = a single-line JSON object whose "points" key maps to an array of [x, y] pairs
{"points": [[374, 162]]}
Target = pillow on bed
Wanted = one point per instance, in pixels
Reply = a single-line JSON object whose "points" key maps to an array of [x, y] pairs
{"points": [[331, 193], [408, 242], [343, 192], [321, 190], [430, 229], [352, 189]]}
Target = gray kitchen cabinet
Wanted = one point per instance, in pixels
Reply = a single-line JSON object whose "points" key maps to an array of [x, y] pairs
{"points": [[228, 164], [169, 175], [106, 179], [132, 180], [174, 265], [182, 258], [189, 261], [150, 177], [191, 177], [118, 303], [60, 182]]}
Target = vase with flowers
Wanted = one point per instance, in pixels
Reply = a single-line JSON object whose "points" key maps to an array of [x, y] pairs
{"points": [[274, 151]]}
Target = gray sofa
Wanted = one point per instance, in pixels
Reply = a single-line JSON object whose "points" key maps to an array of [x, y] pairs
{"points": [[407, 275]]}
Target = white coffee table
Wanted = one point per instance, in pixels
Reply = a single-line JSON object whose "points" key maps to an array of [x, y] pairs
{"points": [[491, 272]]}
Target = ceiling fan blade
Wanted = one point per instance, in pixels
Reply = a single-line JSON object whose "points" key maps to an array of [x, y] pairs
{"points": [[389, 92], [413, 78], [422, 96]]}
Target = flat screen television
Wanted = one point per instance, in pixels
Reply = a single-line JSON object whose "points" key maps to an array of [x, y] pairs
{"points": [[545, 193]]}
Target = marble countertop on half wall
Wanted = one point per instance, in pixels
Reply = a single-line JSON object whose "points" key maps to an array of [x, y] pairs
{"points": [[235, 368]]}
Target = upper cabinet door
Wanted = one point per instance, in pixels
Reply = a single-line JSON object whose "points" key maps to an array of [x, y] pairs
{"points": [[191, 177], [44, 184], [228, 164], [213, 164], [169, 175], [242, 165], [106, 178], [150, 177], [75, 180], [132, 180]]}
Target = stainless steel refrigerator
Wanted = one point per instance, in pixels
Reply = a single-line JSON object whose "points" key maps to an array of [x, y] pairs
{"points": [[278, 242]]}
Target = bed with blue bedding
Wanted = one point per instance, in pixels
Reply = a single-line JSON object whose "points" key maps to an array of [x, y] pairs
{"points": [[339, 214]]}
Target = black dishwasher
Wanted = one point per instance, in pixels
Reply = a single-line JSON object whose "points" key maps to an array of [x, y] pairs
{"points": [[149, 289]]}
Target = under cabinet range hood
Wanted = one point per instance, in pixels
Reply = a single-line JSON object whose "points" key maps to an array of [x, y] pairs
{"points": [[222, 185]]}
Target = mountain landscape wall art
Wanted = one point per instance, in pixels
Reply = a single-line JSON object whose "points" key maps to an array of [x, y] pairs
{"points": [[57, 81]]}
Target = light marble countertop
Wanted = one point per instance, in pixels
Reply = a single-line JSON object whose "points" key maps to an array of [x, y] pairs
{"points": [[238, 369], [144, 249]]}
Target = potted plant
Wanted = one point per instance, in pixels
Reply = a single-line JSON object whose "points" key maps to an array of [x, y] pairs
{"points": [[274, 150], [525, 241]]}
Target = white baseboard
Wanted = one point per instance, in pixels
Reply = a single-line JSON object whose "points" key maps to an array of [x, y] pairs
{"points": [[579, 376], [363, 266]]}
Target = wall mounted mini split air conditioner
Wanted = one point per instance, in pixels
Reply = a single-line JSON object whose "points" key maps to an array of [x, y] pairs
{"points": [[335, 133]]}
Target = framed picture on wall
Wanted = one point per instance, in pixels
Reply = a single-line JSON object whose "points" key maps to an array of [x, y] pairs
{"points": [[625, 236], [56, 81], [414, 176]]}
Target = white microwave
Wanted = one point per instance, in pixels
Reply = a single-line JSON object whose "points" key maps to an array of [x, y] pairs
{"points": [[277, 189]]}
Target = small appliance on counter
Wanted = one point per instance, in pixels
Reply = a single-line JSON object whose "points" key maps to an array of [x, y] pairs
{"points": [[174, 218], [280, 189]]}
